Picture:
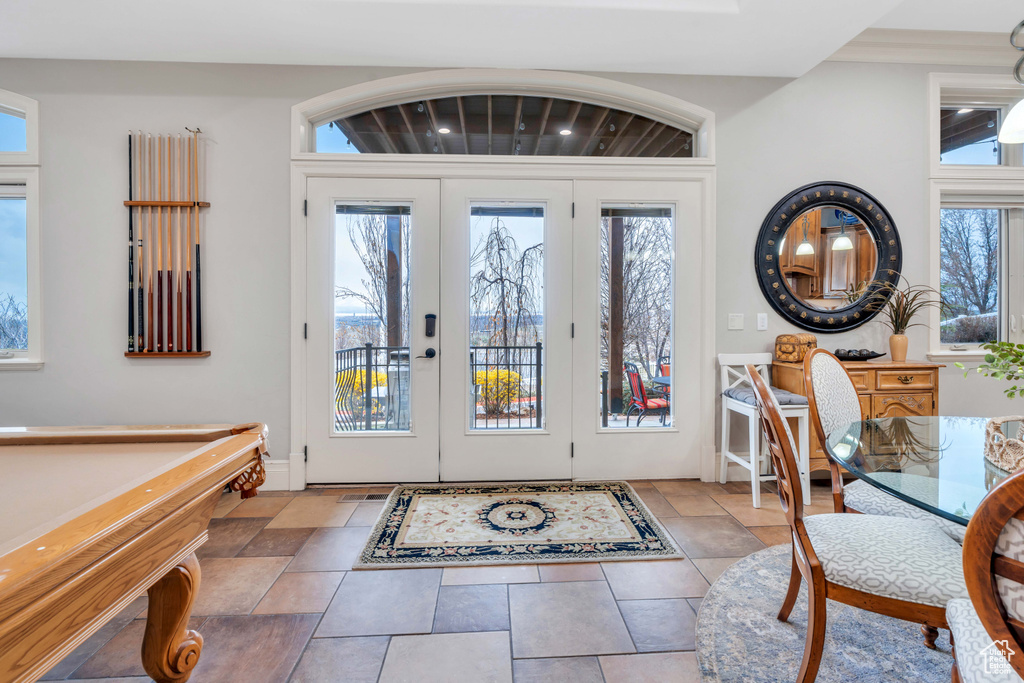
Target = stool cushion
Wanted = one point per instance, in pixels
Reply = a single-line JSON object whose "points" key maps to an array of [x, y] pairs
{"points": [[745, 394], [871, 500], [977, 658], [906, 559]]}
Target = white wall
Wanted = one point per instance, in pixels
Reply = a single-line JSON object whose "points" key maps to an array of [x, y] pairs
{"points": [[860, 123]]}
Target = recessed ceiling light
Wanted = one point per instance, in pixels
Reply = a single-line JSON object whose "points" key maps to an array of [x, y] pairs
{"points": [[444, 131], [965, 110], [565, 131]]}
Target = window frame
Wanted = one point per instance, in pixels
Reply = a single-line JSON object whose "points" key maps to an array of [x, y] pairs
{"points": [[21, 170]]}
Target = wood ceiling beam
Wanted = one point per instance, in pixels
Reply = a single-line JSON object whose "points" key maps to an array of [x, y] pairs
{"points": [[617, 136], [462, 123], [385, 135], [352, 136], [650, 141], [672, 138], [516, 120], [432, 115], [639, 138], [678, 148], [574, 111], [490, 124], [408, 126], [600, 117], [543, 124]]}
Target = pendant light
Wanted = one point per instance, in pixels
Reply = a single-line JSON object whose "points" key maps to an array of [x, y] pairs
{"points": [[1012, 130], [805, 248], [843, 242]]}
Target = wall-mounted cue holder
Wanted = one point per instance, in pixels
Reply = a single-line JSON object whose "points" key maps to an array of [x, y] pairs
{"points": [[165, 311]]}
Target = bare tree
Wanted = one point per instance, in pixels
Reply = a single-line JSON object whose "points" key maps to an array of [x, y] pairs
{"points": [[13, 323], [969, 244], [506, 287], [369, 237], [647, 289]]}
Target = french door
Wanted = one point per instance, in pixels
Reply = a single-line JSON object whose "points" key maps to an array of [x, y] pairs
{"points": [[491, 329]]}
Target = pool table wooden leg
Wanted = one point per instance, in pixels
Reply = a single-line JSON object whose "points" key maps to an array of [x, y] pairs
{"points": [[170, 650]]}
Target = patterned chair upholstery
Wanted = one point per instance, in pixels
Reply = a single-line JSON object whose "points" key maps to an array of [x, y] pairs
{"points": [[990, 625], [837, 405]]}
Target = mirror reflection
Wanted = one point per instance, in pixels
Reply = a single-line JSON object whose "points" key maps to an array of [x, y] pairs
{"points": [[827, 258]]}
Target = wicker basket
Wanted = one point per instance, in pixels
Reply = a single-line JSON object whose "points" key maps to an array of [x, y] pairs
{"points": [[792, 348], [1004, 452]]}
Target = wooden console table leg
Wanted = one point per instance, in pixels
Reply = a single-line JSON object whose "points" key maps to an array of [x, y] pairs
{"points": [[170, 650]]}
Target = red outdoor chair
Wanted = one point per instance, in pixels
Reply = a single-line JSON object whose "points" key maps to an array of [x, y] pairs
{"points": [[639, 401]]}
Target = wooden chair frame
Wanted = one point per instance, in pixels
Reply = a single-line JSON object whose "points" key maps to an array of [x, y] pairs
{"points": [[837, 477], [982, 564], [805, 562]]}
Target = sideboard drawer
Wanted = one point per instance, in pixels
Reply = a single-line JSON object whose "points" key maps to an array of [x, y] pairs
{"points": [[902, 405], [900, 380], [863, 380]]}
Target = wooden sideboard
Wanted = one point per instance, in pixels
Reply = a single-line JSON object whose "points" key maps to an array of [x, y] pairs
{"points": [[885, 389]]}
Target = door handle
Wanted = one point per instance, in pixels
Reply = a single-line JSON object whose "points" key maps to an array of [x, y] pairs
{"points": [[431, 324], [429, 353]]}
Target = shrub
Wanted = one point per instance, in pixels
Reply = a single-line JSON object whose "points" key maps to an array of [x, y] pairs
{"points": [[969, 329], [498, 388]]}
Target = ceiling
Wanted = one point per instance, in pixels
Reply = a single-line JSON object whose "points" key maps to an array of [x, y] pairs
{"points": [[723, 37]]}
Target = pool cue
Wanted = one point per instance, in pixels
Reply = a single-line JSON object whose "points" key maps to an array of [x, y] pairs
{"points": [[188, 249], [199, 272], [168, 271], [160, 244], [131, 253], [140, 337], [177, 269], [149, 248]]}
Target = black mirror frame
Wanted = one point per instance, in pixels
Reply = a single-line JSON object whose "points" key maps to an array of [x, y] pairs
{"points": [[849, 198]]}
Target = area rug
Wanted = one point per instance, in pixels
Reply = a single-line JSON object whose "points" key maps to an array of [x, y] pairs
{"points": [[739, 638], [479, 524]]}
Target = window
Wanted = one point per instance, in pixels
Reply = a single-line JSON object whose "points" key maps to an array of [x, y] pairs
{"points": [[20, 311], [969, 273]]}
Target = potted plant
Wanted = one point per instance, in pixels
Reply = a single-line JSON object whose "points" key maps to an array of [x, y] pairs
{"points": [[899, 305], [1003, 360]]}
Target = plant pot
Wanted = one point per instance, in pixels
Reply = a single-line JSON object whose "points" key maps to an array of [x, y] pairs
{"points": [[898, 347]]}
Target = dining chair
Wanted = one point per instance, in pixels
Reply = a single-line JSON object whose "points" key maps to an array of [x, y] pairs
{"points": [[902, 568], [738, 398], [834, 404], [639, 400], [988, 629]]}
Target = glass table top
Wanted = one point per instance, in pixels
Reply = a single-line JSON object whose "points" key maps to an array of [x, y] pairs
{"points": [[935, 463]]}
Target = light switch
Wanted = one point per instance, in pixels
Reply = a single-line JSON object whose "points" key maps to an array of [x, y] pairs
{"points": [[762, 321], [735, 321]]}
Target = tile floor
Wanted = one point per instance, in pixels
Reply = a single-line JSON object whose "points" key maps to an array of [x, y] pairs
{"points": [[278, 601]]}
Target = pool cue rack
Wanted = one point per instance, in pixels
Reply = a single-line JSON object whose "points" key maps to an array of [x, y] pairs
{"points": [[165, 314]]}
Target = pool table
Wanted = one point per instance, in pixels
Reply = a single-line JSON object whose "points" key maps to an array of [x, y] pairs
{"points": [[92, 517]]}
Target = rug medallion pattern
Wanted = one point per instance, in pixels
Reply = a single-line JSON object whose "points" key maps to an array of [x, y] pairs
{"points": [[432, 525]]}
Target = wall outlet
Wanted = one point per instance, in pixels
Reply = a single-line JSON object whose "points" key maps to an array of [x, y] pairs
{"points": [[762, 321], [735, 321]]}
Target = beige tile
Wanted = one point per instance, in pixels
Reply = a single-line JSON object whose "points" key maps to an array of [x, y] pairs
{"points": [[341, 660], [271, 542], [742, 508], [449, 658], [656, 503], [227, 535], [260, 506], [720, 536], [687, 487], [121, 655], [366, 514], [234, 585], [227, 503], [558, 670], [300, 592], [665, 667], [654, 579], [695, 506], [660, 625], [382, 602], [515, 573], [381, 489], [577, 571], [566, 620], [262, 649], [344, 492], [712, 567], [772, 535], [314, 511], [330, 549]]}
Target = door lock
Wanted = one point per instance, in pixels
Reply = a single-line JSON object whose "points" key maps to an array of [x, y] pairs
{"points": [[429, 353]]}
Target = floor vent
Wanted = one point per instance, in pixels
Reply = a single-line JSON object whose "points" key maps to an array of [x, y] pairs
{"points": [[376, 496], [352, 497]]}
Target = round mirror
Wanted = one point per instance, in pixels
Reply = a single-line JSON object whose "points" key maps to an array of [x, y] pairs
{"points": [[823, 253]]}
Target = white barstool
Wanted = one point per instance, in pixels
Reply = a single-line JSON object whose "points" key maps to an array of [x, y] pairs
{"points": [[738, 397]]}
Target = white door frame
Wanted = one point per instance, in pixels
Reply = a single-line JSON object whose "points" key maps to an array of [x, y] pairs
{"points": [[553, 168]]}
